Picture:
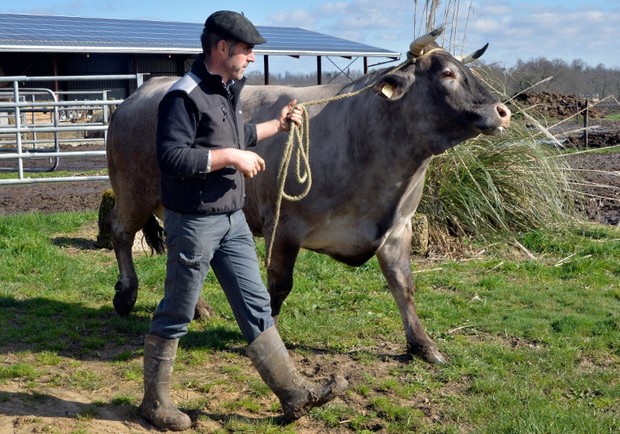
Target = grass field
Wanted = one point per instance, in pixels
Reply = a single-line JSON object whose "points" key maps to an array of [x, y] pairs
{"points": [[530, 327]]}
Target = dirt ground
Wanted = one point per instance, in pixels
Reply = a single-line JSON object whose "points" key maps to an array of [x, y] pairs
{"points": [[56, 196], [601, 181], [49, 408], [56, 408]]}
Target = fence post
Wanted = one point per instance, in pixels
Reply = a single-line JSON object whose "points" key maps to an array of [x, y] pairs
{"points": [[586, 115]]}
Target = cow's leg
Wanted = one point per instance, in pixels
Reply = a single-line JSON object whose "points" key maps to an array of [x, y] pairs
{"points": [[126, 288], [124, 222], [280, 274], [394, 259]]}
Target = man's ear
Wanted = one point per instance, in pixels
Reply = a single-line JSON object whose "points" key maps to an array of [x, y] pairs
{"points": [[392, 87], [222, 47]]}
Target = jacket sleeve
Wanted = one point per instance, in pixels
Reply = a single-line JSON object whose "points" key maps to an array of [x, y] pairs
{"points": [[177, 123], [251, 136]]}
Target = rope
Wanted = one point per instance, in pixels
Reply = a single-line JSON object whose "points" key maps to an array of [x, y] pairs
{"points": [[299, 140]]}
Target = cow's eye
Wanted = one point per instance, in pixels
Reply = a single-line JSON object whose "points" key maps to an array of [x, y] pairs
{"points": [[448, 73]]}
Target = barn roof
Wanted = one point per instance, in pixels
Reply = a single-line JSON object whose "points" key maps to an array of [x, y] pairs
{"points": [[45, 33]]}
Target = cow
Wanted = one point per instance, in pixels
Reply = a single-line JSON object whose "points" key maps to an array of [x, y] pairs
{"points": [[368, 156]]}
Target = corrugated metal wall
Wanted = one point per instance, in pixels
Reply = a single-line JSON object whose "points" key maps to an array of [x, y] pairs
{"points": [[95, 64]]}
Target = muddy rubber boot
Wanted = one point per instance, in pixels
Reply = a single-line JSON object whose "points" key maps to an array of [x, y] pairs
{"points": [[156, 407], [297, 395]]}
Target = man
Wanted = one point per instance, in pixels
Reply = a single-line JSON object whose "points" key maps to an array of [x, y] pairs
{"points": [[201, 141]]}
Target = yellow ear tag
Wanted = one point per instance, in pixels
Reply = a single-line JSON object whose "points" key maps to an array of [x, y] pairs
{"points": [[387, 90]]}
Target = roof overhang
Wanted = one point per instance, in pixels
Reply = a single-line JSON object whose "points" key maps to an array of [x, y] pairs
{"points": [[60, 34]]}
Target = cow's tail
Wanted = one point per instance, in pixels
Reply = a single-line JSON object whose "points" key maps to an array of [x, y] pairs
{"points": [[154, 235]]}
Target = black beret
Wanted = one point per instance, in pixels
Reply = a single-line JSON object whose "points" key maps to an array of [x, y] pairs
{"points": [[233, 25]]}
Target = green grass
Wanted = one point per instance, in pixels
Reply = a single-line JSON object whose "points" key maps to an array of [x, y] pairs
{"points": [[533, 345], [613, 117]]}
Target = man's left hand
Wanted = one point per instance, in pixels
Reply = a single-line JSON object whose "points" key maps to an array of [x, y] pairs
{"points": [[290, 113]]}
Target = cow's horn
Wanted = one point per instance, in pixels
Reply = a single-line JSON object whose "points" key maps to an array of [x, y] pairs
{"points": [[418, 45], [475, 55]]}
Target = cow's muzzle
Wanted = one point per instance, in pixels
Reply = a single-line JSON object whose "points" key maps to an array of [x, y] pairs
{"points": [[497, 120]]}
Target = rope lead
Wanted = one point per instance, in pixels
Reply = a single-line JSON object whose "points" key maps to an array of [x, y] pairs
{"points": [[298, 139]]}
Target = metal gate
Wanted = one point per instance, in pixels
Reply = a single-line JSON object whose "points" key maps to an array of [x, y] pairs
{"points": [[39, 127]]}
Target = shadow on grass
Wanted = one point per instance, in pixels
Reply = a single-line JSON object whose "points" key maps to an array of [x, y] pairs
{"points": [[76, 331], [76, 243], [28, 404], [73, 330]]}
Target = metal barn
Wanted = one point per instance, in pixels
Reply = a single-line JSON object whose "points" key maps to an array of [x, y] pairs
{"points": [[44, 45]]}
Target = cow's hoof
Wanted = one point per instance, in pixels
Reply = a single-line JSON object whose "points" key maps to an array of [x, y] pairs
{"points": [[435, 357], [124, 301], [429, 354], [203, 311]]}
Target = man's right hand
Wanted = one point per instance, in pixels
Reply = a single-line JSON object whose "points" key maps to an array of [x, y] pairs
{"points": [[247, 162]]}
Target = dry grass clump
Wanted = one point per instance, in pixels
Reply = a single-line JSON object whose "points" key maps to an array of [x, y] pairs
{"points": [[510, 183], [487, 186]]}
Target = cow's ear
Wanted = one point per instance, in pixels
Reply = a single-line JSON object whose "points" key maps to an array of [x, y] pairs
{"points": [[391, 86]]}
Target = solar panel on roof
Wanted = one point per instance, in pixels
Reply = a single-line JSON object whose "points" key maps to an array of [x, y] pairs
{"points": [[45, 33]]}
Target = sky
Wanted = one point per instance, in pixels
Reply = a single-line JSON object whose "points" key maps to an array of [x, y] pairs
{"points": [[569, 30]]}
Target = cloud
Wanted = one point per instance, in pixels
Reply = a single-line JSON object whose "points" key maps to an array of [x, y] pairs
{"points": [[486, 25], [305, 18]]}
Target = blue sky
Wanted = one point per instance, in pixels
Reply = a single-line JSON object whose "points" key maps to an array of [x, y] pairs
{"points": [[515, 29]]}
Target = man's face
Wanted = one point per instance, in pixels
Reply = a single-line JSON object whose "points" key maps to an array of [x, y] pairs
{"points": [[239, 57]]}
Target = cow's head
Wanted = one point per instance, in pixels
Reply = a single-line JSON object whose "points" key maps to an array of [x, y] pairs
{"points": [[438, 87]]}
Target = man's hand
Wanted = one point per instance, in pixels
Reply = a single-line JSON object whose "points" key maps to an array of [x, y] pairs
{"points": [[247, 162], [290, 113]]}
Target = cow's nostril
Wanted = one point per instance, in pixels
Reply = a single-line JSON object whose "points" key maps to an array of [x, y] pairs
{"points": [[503, 111], [504, 115]]}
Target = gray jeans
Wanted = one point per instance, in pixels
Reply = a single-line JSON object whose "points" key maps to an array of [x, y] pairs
{"points": [[223, 242]]}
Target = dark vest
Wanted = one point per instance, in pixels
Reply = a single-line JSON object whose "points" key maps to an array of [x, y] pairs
{"points": [[219, 125]]}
